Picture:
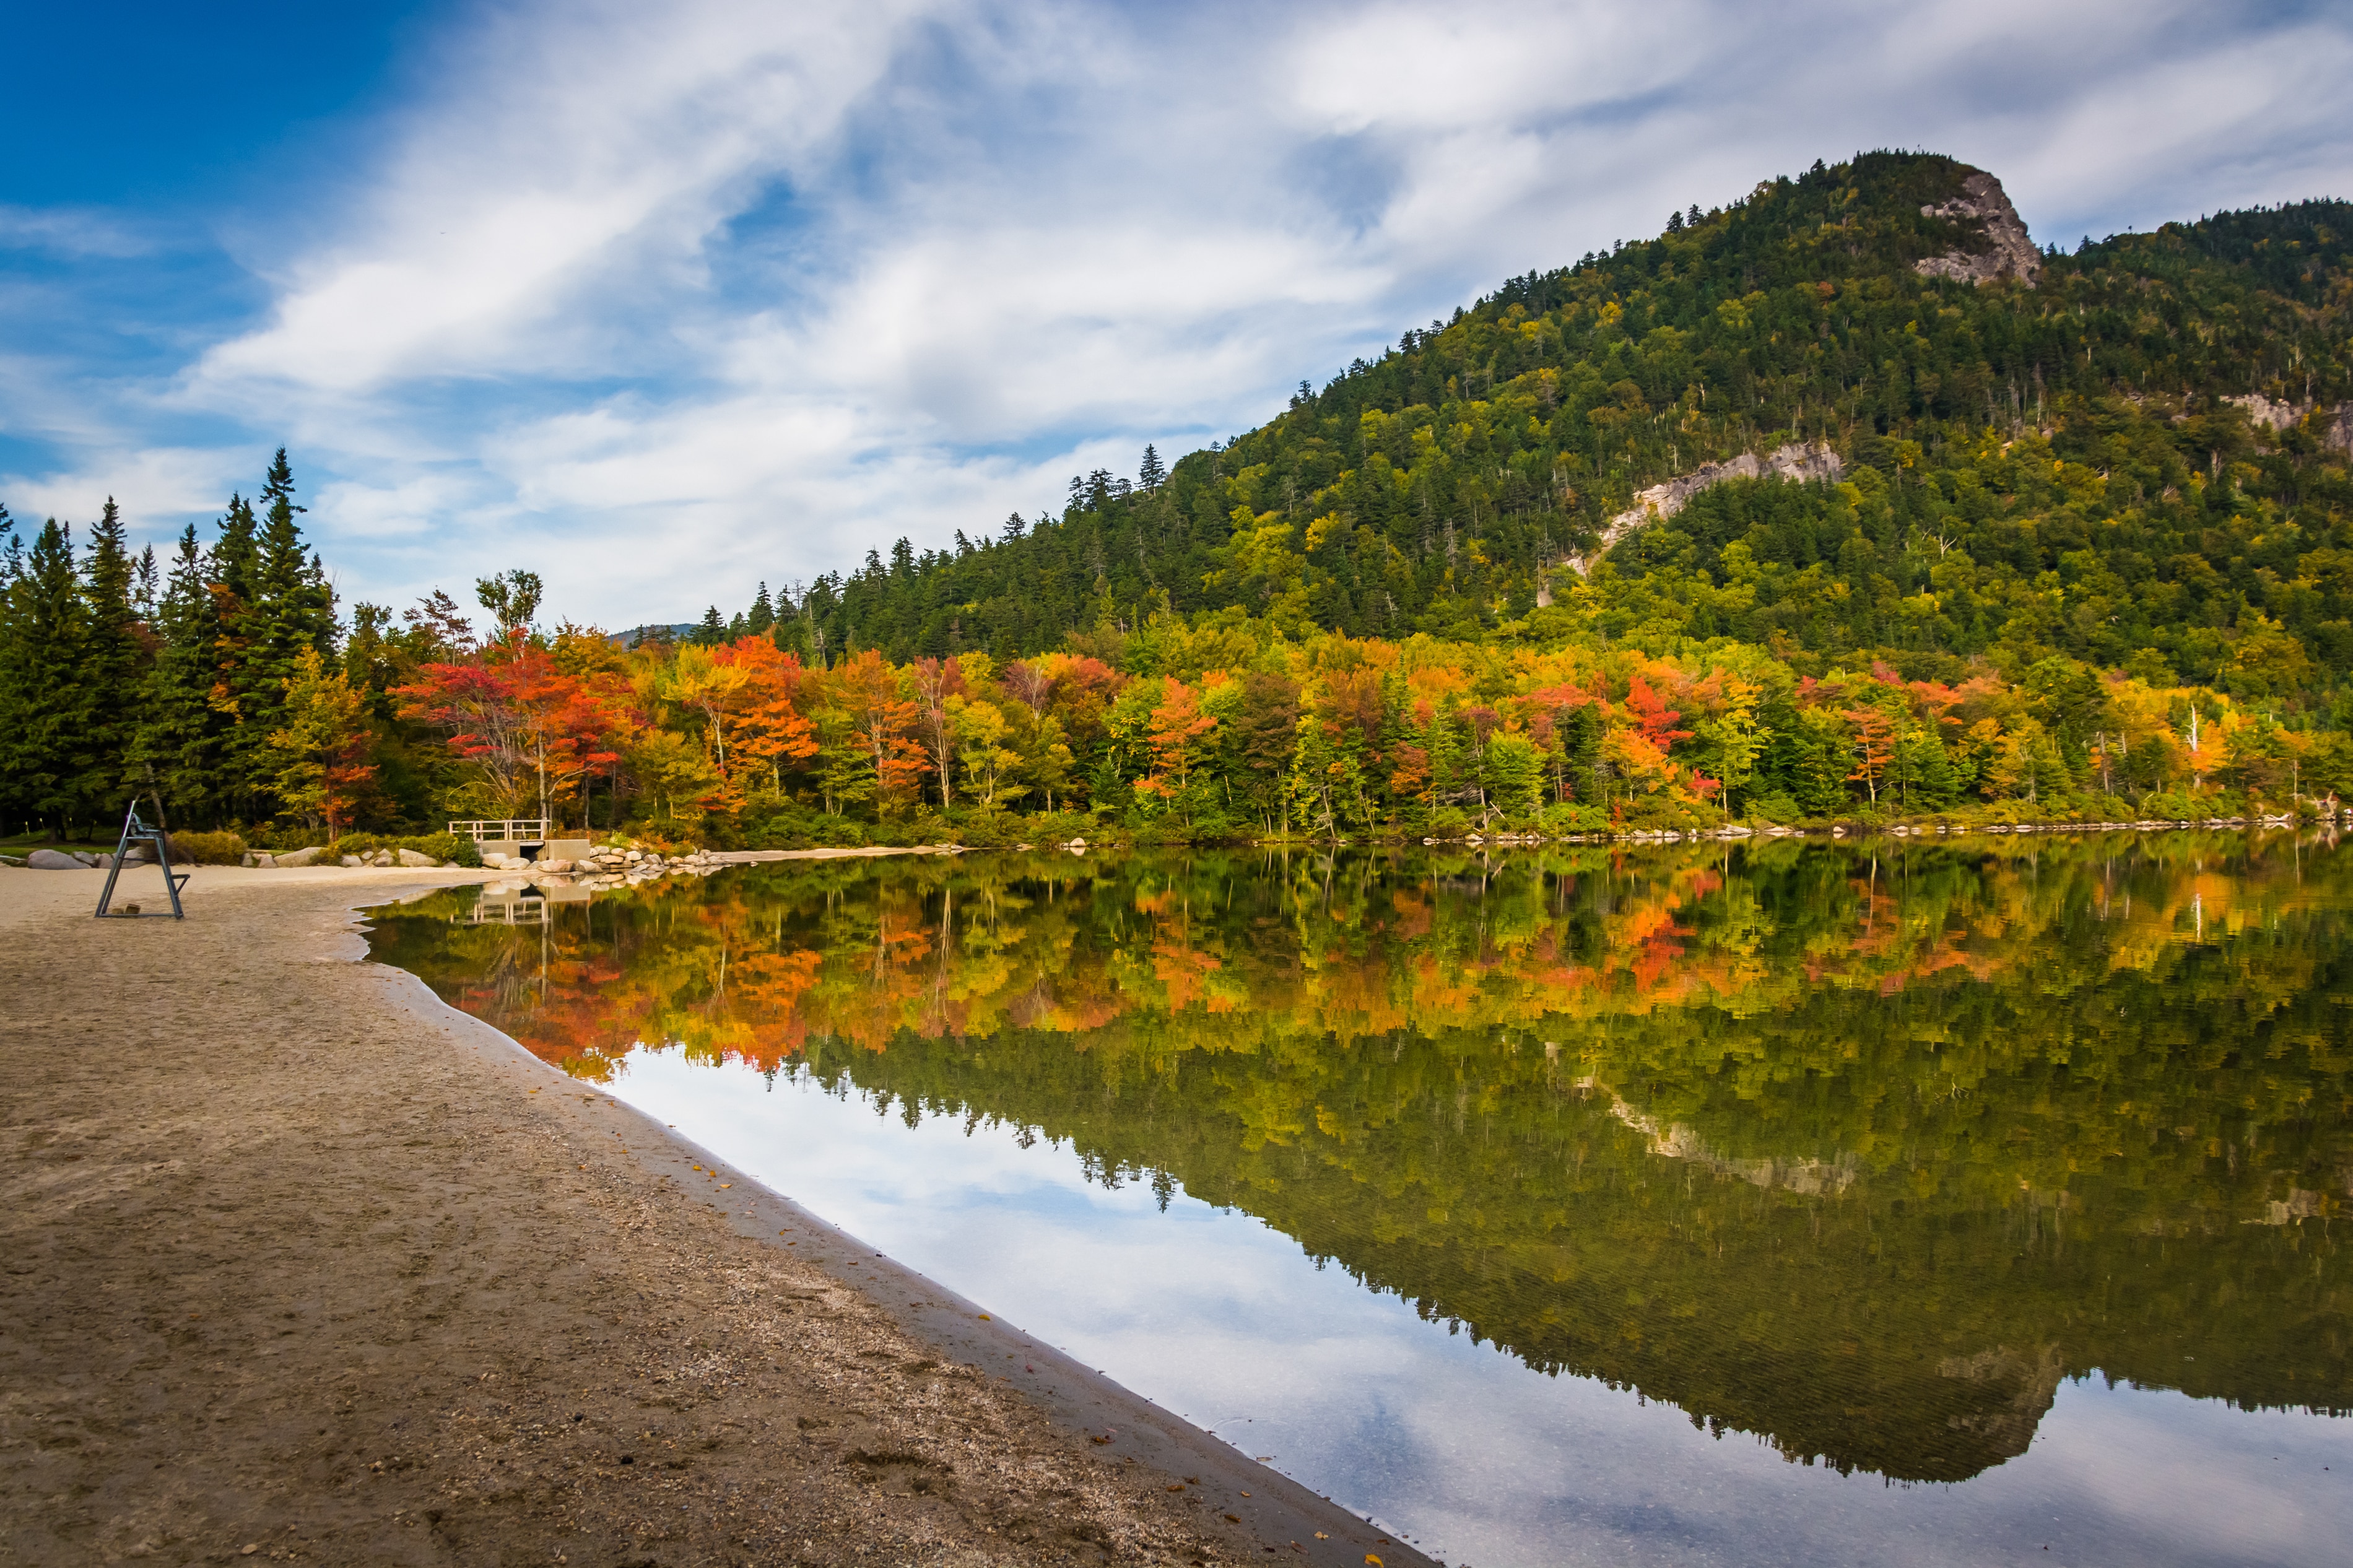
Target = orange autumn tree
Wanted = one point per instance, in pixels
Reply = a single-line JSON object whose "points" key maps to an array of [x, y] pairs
{"points": [[532, 731], [1177, 731], [746, 694], [1874, 746], [883, 721], [767, 729]]}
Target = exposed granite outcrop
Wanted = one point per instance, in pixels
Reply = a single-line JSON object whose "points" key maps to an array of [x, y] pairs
{"points": [[2008, 252], [1793, 461], [2334, 428], [2273, 416]]}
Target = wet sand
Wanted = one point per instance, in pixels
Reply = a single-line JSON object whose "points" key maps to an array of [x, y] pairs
{"points": [[300, 1265]]}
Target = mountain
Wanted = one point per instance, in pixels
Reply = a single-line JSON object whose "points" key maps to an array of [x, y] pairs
{"points": [[2134, 455]]}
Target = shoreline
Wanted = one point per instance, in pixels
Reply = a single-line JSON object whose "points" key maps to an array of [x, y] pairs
{"points": [[279, 1131]]}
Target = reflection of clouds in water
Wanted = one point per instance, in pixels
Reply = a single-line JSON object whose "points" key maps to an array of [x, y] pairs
{"points": [[1220, 1318]]}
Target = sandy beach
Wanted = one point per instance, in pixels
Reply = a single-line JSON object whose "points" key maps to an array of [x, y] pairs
{"points": [[301, 1266]]}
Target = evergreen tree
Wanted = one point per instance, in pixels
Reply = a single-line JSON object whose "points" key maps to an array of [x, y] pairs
{"points": [[1150, 474], [764, 613], [48, 701], [234, 588], [275, 604], [710, 631], [11, 573], [291, 609], [143, 586], [113, 660], [182, 732]]}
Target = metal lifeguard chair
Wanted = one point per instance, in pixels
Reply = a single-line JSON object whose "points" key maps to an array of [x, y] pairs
{"points": [[159, 842]]}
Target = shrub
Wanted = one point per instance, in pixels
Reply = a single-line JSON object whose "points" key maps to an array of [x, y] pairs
{"points": [[791, 826], [1573, 816], [2176, 806], [451, 848], [209, 848]]}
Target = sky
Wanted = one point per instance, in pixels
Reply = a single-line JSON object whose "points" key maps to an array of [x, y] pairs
{"points": [[665, 301]]}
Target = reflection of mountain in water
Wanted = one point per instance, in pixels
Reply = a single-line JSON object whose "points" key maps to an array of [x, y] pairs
{"points": [[1859, 1156]]}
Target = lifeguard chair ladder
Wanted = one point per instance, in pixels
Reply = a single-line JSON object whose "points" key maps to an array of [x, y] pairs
{"points": [[136, 831]]}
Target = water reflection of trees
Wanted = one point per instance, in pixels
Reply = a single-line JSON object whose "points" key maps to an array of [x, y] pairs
{"points": [[1859, 1150]]}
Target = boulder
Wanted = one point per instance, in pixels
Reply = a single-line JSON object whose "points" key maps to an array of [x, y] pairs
{"points": [[384, 857], [349, 862], [553, 868], [300, 856], [53, 860], [412, 858]]}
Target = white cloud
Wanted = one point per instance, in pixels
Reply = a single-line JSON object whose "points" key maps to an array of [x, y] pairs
{"points": [[69, 231], [581, 147], [150, 483]]}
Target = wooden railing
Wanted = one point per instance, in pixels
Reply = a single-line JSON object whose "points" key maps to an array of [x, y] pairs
{"points": [[515, 828]]}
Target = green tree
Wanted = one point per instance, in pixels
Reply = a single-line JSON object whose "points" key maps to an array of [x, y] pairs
{"points": [[113, 667], [512, 598], [1515, 775], [47, 703], [181, 739], [292, 608]]}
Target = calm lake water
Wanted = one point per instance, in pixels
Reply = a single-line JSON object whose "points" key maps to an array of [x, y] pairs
{"points": [[1780, 1204]]}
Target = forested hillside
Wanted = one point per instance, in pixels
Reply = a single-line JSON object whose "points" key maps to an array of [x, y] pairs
{"points": [[2053, 468], [2081, 550]]}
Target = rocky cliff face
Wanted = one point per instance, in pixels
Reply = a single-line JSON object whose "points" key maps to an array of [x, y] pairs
{"points": [[2006, 250], [1793, 461], [2334, 430]]}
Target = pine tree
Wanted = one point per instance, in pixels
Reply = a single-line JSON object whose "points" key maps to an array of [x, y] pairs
{"points": [[113, 661], [1150, 475], [12, 575], [233, 588], [710, 631], [764, 613], [277, 604], [48, 702], [291, 611], [182, 733]]}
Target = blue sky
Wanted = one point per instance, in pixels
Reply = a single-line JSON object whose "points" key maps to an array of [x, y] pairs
{"points": [[664, 301]]}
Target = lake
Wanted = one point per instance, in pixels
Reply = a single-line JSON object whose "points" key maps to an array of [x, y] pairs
{"points": [[1854, 1203]]}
